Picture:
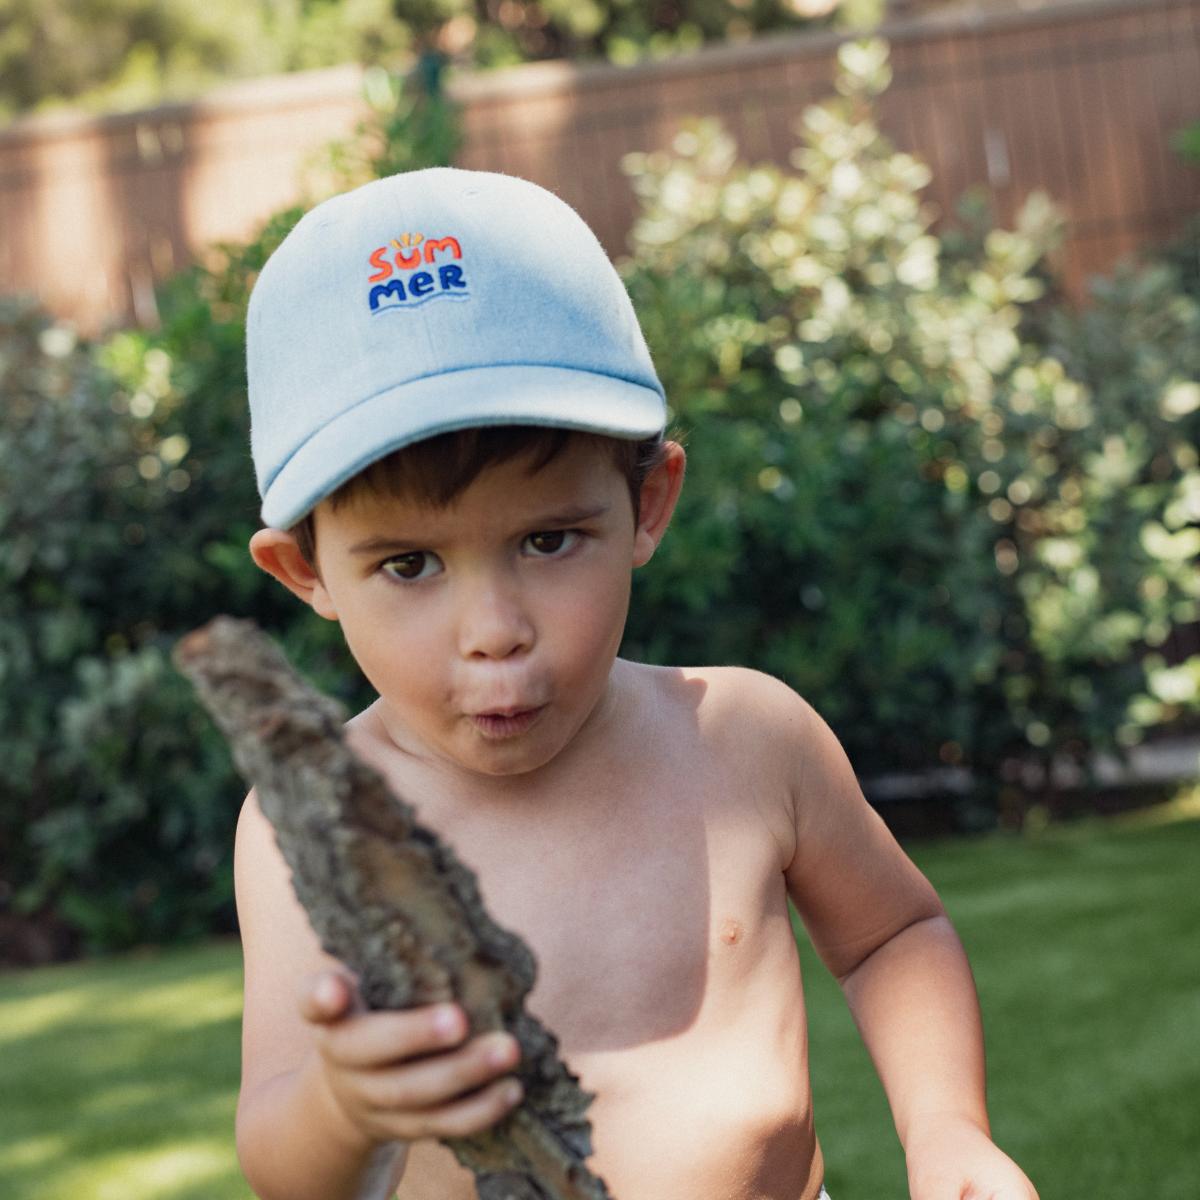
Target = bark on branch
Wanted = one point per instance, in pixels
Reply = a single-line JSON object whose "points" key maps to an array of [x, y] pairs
{"points": [[391, 900]]}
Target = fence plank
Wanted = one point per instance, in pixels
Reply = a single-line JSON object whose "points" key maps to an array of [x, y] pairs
{"points": [[1078, 97]]}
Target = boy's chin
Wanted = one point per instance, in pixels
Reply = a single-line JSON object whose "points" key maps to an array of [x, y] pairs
{"points": [[489, 750], [511, 762], [511, 758]]}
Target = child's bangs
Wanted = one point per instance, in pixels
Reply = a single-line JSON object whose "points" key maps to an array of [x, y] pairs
{"points": [[435, 471]]}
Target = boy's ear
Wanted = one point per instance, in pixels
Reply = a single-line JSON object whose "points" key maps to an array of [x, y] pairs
{"points": [[660, 491], [278, 553]]}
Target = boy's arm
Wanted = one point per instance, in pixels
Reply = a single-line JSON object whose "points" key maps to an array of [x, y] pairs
{"points": [[293, 1139], [879, 927]]}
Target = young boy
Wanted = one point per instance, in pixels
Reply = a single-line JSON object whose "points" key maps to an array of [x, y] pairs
{"points": [[458, 436]]}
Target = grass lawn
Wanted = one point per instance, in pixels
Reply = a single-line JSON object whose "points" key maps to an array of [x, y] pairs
{"points": [[118, 1077], [1085, 950]]}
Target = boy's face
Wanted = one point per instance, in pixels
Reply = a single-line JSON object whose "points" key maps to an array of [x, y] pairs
{"points": [[489, 627]]}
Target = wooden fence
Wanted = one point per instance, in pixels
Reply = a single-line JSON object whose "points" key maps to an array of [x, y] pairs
{"points": [[1079, 98]]}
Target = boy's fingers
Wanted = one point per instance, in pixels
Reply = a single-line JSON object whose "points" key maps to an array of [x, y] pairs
{"points": [[473, 1114], [429, 1082], [326, 997], [377, 1039]]}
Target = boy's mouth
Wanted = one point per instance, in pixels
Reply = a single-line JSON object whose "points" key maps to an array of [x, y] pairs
{"points": [[503, 723]]}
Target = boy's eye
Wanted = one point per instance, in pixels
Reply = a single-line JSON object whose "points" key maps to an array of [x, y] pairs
{"points": [[417, 564], [552, 541]]}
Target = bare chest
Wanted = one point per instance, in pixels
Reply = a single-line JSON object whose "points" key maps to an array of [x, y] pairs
{"points": [[654, 904], [647, 910], [617, 909], [666, 967]]}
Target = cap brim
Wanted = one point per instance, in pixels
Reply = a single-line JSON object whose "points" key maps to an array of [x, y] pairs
{"points": [[495, 395]]}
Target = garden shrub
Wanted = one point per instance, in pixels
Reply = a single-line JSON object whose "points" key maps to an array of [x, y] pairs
{"points": [[950, 537], [104, 784], [1135, 348], [128, 500]]}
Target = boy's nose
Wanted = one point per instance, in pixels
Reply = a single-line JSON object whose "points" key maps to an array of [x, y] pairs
{"points": [[494, 624]]}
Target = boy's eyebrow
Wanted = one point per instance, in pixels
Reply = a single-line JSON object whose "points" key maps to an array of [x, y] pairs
{"points": [[570, 516], [563, 516]]}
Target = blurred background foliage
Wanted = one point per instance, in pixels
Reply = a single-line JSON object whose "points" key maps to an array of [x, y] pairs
{"points": [[944, 506], [959, 516], [114, 54], [128, 501]]}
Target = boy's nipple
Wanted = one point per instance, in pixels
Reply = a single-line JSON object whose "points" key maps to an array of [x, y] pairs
{"points": [[731, 931]]}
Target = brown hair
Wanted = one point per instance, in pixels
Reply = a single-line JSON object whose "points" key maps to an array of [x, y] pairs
{"points": [[441, 468]]}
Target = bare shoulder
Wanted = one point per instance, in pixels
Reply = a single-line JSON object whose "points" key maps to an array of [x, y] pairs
{"points": [[750, 726], [723, 691], [755, 696], [851, 883], [782, 724], [743, 711]]}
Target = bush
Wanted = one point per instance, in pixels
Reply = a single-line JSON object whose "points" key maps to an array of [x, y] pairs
{"points": [[128, 501], [102, 749], [1135, 349], [951, 537]]}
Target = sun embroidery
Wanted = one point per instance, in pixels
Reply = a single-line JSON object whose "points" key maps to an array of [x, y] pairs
{"points": [[392, 288]]}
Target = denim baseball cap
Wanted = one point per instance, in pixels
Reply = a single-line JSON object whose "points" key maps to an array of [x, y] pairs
{"points": [[426, 302]]}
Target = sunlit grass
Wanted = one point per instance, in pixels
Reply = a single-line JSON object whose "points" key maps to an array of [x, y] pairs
{"points": [[193, 1167], [118, 1078], [1084, 946]]}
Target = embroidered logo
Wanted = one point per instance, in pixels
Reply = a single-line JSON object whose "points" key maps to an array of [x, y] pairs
{"points": [[431, 277]]}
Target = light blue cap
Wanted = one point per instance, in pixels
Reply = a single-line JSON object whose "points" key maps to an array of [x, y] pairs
{"points": [[426, 302]]}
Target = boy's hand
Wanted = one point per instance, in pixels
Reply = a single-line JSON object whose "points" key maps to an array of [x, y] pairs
{"points": [[951, 1158], [400, 1076]]}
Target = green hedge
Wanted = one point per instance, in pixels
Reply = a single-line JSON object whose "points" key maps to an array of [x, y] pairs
{"points": [[946, 508], [955, 515], [128, 500], [123, 523]]}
